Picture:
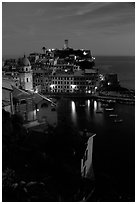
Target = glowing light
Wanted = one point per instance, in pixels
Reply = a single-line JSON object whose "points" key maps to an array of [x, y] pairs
{"points": [[95, 105], [52, 86], [102, 78], [89, 91], [37, 109], [96, 87], [84, 53], [73, 86], [65, 70], [109, 83]]}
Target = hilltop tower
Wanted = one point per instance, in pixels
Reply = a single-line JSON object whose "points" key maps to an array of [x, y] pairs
{"points": [[44, 50], [26, 79], [66, 44]]}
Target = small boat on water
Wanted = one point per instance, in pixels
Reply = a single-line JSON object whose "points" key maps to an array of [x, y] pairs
{"points": [[109, 109], [82, 105], [111, 101], [113, 115], [118, 120], [104, 105]]}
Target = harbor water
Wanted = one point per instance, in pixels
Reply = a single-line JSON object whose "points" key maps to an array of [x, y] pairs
{"points": [[114, 144]]}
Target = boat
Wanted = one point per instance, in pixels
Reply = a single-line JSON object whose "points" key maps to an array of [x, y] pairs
{"points": [[104, 105], [111, 101], [113, 115], [82, 105], [118, 120], [109, 109]]}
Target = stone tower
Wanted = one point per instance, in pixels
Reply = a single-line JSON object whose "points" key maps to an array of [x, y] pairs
{"points": [[25, 73], [66, 44]]}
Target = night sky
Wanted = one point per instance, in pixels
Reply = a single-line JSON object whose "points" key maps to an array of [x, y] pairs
{"points": [[106, 28]]}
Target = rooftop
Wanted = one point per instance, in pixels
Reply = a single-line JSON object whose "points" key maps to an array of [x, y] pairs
{"points": [[25, 61], [7, 84]]}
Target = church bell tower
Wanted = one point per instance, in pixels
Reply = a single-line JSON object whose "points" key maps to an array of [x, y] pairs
{"points": [[26, 79]]}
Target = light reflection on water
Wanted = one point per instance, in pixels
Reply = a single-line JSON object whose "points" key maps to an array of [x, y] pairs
{"points": [[88, 110], [73, 111], [95, 106], [88, 104], [87, 114]]}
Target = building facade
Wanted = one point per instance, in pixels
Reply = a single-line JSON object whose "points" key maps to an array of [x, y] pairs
{"points": [[24, 104], [77, 82]]}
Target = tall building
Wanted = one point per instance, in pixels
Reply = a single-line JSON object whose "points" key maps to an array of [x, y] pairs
{"points": [[66, 44], [25, 73]]}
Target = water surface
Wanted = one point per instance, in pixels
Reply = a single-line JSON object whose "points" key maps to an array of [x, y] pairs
{"points": [[114, 144]]}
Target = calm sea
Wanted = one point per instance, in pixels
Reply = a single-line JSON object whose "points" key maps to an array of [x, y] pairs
{"points": [[124, 66], [114, 144]]}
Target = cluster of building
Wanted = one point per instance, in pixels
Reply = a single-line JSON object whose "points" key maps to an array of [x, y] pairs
{"points": [[64, 70], [31, 106], [54, 70]]}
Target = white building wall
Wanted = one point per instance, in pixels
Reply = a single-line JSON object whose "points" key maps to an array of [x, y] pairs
{"points": [[86, 162]]}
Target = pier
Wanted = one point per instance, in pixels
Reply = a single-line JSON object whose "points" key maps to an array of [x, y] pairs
{"points": [[117, 99]]}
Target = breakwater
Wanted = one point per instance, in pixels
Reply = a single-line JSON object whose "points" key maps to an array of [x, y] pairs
{"points": [[105, 98]]}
